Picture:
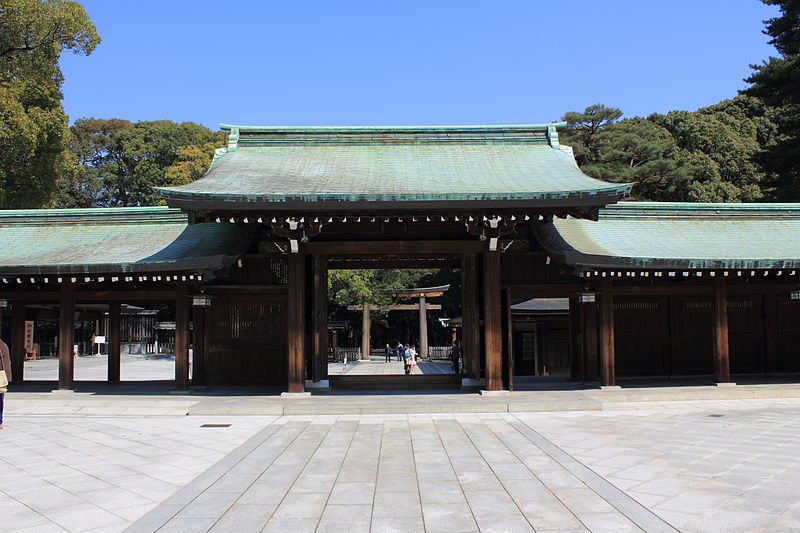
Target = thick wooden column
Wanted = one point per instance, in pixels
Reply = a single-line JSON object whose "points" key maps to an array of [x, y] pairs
{"points": [[423, 328], [66, 336], [608, 376], [508, 340], [493, 329], [114, 360], [199, 345], [18, 341], [722, 364], [470, 326], [366, 325], [319, 367], [770, 333], [296, 322], [181, 338], [589, 340]]}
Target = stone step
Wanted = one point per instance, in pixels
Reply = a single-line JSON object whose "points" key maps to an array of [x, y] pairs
{"points": [[395, 381]]}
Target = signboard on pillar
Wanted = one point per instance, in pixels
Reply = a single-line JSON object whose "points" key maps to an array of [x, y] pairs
{"points": [[28, 336]]}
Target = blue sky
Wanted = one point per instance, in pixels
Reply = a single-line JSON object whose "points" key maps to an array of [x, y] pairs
{"points": [[409, 62]]}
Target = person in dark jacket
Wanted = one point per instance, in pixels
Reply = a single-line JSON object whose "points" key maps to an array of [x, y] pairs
{"points": [[5, 364]]}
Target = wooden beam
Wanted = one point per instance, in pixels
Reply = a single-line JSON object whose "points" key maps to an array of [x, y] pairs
{"points": [[295, 315], [722, 365], [366, 325], [66, 335], [770, 333], [607, 347], [114, 359], [319, 367], [423, 327], [470, 343], [493, 332], [393, 248], [508, 340], [18, 340], [199, 314], [589, 341], [395, 307], [181, 338]]}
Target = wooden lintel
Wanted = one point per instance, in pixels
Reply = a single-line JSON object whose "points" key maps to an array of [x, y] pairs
{"points": [[393, 248], [395, 307]]}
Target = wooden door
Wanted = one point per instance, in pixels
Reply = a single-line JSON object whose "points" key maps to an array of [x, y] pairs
{"points": [[246, 340]]}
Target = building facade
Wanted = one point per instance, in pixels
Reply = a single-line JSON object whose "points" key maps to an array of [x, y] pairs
{"points": [[243, 254]]}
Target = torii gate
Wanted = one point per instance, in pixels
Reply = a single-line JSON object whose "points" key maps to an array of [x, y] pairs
{"points": [[422, 293]]}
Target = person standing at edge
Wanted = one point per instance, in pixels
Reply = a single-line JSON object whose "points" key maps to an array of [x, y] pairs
{"points": [[388, 354], [5, 364]]}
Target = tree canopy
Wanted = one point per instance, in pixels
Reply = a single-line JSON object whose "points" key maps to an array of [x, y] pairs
{"points": [[33, 125], [117, 163], [776, 82]]}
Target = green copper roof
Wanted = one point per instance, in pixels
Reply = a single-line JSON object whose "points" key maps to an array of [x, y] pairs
{"points": [[644, 235], [339, 167], [146, 239]]}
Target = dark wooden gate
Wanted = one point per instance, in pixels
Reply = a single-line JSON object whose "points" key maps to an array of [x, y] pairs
{"points": [[692, 335], [642, 335], [746, 333], [246, 340]]}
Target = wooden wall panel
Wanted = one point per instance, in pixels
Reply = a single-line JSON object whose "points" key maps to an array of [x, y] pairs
{"points": [[246, 340], [692, 342], [746, 333], [642, 335], [787, 342]]}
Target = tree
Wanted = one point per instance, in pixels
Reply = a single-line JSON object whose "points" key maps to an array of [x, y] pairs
{"points": [[118, 163], [777, 83], [33, 126], [583, 127]]}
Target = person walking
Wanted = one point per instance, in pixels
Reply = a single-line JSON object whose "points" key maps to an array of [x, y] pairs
{"points": [[388, 354], [455, 357], [400, 351], [414, 355], [5, 366], [407, 361]]}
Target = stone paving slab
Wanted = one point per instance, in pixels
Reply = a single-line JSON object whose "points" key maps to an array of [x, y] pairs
{"points": [[158, 401], [693, 466]]}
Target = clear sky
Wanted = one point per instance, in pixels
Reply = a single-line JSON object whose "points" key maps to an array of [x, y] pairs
{"points": [[409, 62]]}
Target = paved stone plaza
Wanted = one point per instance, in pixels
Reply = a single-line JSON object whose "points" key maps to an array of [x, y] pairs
{"points": [[704, 466]]}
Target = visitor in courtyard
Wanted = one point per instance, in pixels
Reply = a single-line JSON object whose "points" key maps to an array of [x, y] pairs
{"points": [[414, 354], [455, 357], [5, 366], [344, 363], [400, 350], [407, 360], [388, 353]]}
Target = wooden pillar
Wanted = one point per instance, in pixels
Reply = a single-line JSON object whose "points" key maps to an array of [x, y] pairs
{"points": [[608, 376], [423, 328], [296, 322], [319, 367], [114, 359], [508, 340], [366, 325], [66, 336], [770, 333], [493, 331], [18, 341], [470, 328], [199, 345], [181, 338], [589, 341], [722, 365]]}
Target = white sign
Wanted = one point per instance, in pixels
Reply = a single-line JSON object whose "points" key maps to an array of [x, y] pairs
{"points": [[99, 339]]}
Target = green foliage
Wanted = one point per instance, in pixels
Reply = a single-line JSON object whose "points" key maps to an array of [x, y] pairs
{"points": [[584, 127], [777, 84], [708, 155], [119, 163], [33, 126]]}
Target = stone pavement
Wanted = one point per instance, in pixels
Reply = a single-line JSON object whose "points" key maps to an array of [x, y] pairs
{"points": [[694, 466]]}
